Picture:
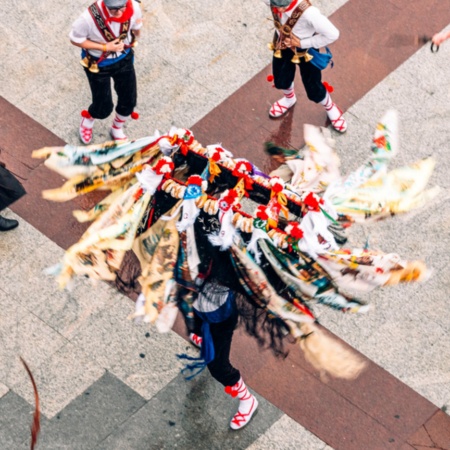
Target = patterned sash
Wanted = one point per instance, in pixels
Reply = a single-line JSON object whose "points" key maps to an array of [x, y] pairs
{"points": [[286, 29], [104, 29]]}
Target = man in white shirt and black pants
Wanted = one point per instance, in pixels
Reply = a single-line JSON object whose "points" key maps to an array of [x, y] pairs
{"points": [[311, 30], [106, 32]]}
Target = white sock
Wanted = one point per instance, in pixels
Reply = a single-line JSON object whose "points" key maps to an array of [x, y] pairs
{"points": [[289, 96], [332, 110], [117, 126]]}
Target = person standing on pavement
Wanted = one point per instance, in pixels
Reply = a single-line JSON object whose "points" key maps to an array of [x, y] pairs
{"points": [[107, 31], [300, 30]]}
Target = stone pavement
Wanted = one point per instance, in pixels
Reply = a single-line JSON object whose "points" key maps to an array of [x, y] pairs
{"points": [[106, 383]]}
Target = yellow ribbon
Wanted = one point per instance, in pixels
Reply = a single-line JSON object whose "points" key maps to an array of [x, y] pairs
{"points": [[214, 170], [282, 201]]}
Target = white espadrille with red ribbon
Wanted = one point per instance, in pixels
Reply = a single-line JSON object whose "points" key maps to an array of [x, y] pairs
{"points": [[86, 126], [283, 105], [335, 114], [116, 130], [247, 405]]}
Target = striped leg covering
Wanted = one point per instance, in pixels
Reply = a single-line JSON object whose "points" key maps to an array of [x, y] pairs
{"points": [[117, 127]]}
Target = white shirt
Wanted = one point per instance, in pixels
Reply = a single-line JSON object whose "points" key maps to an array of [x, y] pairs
{"points": [[85, 28], [313, 29]]}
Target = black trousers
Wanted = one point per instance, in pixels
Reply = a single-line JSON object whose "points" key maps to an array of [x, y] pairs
{"points": [[222, 335], [124, 77], [10, 188], [283, 71]]}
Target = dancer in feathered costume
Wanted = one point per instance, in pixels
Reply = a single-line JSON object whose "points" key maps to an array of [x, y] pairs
{"points": [[180, 208]]}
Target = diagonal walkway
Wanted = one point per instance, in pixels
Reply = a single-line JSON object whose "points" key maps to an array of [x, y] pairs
{"points": [[105, 383]]}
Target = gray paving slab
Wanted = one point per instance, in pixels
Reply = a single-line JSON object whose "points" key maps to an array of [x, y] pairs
{"points": [[16, 245], [23, 334], [120, 346], [189, 415], [64, 310], [92, 416], [16, 416], [3, 390], [287, 434], [61, 378]]}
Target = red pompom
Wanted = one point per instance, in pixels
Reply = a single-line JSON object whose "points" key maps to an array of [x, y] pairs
{"points": [[195, 179], [328, 87], [135, 115], [261, 213], [277, 188], [270, 78], [85, 114]]}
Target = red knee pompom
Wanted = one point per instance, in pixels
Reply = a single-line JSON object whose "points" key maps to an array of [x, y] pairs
{"points": [[135, 115], [328, 87], [85, 114], [270, 78]]}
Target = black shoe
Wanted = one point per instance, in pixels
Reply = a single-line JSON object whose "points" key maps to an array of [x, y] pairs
{"points": [[7, 224]]}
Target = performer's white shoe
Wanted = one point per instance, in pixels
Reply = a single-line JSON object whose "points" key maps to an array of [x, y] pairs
{"points": [[247, 405], [282, 106], [86, 125], [117, 134], [196, 339], [334, 113], [337, 119], [116, 130]]}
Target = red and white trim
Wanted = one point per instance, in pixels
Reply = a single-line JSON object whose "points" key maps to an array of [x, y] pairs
{"points": [[196, 339], [247, 405]]}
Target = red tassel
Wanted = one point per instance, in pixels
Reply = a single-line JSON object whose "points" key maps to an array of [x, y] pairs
{"points": [[85, 114], [328, 87], [135, 115], [270, 78]]}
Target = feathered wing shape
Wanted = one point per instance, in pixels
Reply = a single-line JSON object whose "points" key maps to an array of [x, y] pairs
{"points": [[99, 252], [101, 206], [157, 251], [399, 191], [365, 269], [309, 281], [325, 353], [328, 355], [320, 164], [107, 168], [371, 192], [384, 148]]}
